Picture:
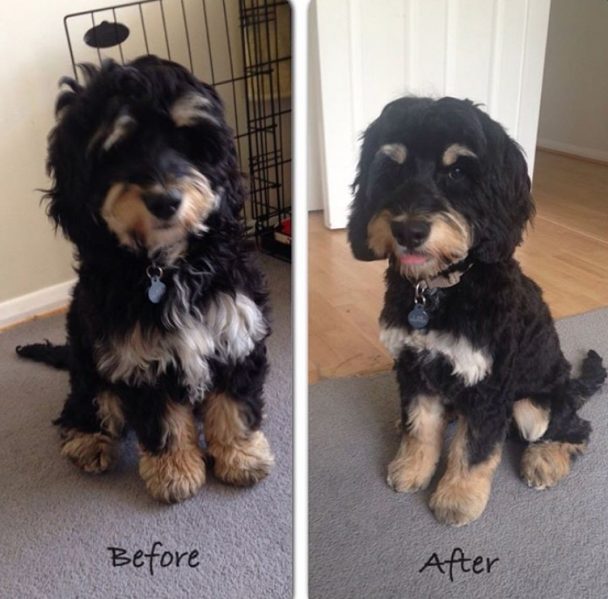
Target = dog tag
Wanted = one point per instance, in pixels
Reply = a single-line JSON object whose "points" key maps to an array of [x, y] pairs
{"points": [[157, 289], [418, 317]]}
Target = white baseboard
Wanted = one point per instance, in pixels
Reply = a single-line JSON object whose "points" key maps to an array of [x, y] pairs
{"points": [[44, 300], [558, 146]]}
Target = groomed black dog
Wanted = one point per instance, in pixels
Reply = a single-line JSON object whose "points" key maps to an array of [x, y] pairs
{"points": [[169, 314], [443, 192]]}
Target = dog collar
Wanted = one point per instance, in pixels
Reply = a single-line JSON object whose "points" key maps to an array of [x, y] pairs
{"points": [[447, 278], [425, 291]]}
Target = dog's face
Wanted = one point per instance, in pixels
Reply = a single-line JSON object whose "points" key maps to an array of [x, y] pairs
{"points": [[139, 157], [438, 181]]}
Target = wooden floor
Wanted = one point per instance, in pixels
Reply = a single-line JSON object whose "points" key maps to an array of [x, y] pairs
{"points": [[565, 251]]}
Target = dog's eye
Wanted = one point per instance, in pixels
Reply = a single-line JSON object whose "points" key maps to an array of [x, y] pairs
{"points": [[456, 174]]}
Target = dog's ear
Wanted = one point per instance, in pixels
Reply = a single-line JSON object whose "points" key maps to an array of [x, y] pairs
{"points": [[379, 169], [67, 165], [508, 204], [218, 150], [360, 209], [199, 110]]}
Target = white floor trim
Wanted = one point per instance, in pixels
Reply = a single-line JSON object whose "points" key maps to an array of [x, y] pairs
{"points": [[25, 306], [558, 146]]}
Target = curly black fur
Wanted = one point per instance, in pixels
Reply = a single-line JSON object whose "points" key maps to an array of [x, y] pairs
{"points": [[495, 311], [208, 267]]}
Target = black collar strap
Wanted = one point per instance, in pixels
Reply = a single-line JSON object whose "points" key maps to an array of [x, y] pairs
{"points": [[446, 278]]}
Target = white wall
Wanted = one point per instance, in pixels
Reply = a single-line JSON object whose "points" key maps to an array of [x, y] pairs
{"points": [[314, 146], [491, 51], [574, 107]]}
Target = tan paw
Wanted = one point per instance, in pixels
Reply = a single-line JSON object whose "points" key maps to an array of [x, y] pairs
{"points": [[245, 462], [412, 468], [459, 502], [91, 452], [543, 465], [173, 476]]}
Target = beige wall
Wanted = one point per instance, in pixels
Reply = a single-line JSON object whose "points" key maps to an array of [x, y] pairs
{"points": [[35, 55], [574, 107]]}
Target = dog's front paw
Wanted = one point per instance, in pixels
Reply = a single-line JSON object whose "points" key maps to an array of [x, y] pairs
{"points": [[413, 466], [544, 464], [91, 452], [408, 476], [243, 463], [173, 476], [459, 501]]}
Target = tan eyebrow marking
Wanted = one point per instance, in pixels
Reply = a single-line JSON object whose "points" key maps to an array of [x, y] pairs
{"points": [[190, 108], [454, 151], [122, 126], [396, 152]]}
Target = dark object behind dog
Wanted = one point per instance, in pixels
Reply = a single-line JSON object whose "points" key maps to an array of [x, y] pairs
{"points": [[169, 312], [443, 192]]}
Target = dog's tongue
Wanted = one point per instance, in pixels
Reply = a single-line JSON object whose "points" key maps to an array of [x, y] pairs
{"points": [[412, 259]]}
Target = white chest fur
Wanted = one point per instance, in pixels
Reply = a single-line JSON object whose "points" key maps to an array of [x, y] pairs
{"points": [[469, 363], [227, 330]]}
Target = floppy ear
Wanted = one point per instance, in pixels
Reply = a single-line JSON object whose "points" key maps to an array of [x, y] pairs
{"points": [[218, 150], [67, 165], [200, 113], [508, 204], [380, 168], [376, 171], [198, 109]]}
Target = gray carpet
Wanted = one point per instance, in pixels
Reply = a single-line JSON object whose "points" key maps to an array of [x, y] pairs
{"points": [[367, 541], [56, 522]]}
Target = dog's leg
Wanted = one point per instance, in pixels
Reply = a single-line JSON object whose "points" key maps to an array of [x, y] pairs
{"points": [[231, 419], [417, 457], [463, 491], [91, 445], [90, 429], [549, 458], [422, 426], [91, 421], [171, 462], [241, 455]]}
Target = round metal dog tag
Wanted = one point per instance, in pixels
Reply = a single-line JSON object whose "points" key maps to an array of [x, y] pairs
{"points": [[156, 290], [418, 317]]}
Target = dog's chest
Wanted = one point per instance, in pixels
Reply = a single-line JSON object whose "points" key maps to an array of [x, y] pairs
{"points": [[469, 363], [227, 331]]}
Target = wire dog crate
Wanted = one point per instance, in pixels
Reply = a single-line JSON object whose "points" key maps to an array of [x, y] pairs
{"points": [[243, 49]]}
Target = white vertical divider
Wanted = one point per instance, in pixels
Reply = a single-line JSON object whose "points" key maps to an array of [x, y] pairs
{"points": [[491, 51], [299, 20]]}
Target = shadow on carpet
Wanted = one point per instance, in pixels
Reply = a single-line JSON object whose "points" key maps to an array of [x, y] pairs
{"points": [[368, 541], [56, 522]]}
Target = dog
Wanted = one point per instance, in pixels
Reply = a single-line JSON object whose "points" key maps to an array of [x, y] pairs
{"points": [[443, 192], [169, 316]]}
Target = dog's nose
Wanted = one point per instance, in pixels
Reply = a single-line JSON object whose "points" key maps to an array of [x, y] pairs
{"points": [[411, 233], [163, 205]]}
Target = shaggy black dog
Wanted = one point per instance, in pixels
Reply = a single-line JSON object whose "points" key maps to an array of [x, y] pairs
{"points": [[169, 314], [443, 192]]}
